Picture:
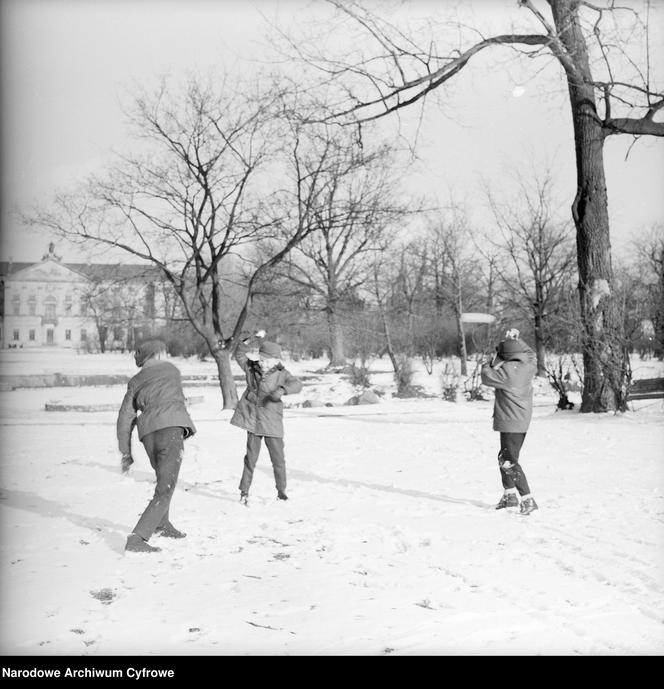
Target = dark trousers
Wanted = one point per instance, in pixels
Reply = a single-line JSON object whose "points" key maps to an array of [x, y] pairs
{"points": [[511, 472], [275, 447], [165, 449]]}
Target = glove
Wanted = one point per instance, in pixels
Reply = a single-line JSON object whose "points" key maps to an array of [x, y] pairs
{"points": [[260, 333], [126, 462], [277, 394]]}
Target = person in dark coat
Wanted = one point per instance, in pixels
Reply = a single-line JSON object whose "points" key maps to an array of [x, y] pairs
{"points": [[260, 410], [511, 373], [154, 402]]}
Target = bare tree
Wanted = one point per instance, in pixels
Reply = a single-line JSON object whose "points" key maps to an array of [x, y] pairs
{"points": [[381, 288], [110, 308], [610, 92], [649, 258], [539, 254], [353, 218], [454, 270], [399, 299], [96, 303], [406, 288], [218, 175], [119, 302]]}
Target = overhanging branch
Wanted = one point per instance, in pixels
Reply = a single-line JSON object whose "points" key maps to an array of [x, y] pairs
{"points": [[643, 126], [398, 97]]}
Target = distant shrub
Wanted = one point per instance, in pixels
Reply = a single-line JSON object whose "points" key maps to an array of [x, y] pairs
{"points": [[358, 374], [472, 386], [183, 343], [450, 383], [560, 374]]}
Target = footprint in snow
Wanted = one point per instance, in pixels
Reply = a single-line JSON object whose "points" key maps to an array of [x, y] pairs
{"points": [[106, 596]]}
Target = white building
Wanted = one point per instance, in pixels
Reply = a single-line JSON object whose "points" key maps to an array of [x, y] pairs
{"points": [[75, 305]]}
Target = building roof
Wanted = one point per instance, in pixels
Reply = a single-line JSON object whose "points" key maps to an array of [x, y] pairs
{"points": [[92, 271], [7, 268], [114, 271]]}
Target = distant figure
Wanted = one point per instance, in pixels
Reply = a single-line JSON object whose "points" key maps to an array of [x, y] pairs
{"points": [[155, 393], [511, 373], [260, 410]]}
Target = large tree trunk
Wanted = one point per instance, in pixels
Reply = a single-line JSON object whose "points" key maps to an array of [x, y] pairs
{"points": [[102, 332], [228, 390], [601, 328], [540, 351], [388, 341], [336, 335], [601, 342], [461, 335], [490, 288], [461, 345]]}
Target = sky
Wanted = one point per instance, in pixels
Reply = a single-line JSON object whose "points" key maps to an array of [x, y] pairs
{"points": [[68, 66]]}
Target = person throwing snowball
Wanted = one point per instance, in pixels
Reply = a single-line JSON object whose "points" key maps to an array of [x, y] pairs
{"points": [[511, 373], [260, 410], [155, 394]]}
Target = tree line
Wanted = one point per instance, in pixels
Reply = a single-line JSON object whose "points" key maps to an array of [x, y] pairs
{"points": [[271, 201]]}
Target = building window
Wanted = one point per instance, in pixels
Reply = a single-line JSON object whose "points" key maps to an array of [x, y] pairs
{"points": [[68, 304], [31, 335], [49, 307], [16, 305], [16, 335], [84, 307], [67, 334], [84, 335], [32, 305]]}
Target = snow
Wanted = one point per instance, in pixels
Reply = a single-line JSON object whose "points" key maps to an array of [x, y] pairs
{"points": [[389, 544]]}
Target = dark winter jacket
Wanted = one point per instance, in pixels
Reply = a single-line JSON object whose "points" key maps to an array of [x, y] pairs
{"points": [[513, 380], [155, 394], [255, 411]]}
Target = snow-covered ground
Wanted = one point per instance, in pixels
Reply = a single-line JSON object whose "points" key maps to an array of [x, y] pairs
{"points": [[388, 545]]}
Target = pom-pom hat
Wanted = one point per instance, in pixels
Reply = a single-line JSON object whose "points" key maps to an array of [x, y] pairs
{"points": [[270, 349], [146, 350], [508, 348]]}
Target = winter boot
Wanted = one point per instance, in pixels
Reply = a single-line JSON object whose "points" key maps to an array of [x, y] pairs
{"points": [[244, 498], [136, 544], [169, 531], [281, 495], [528, 505], [507, 500]]}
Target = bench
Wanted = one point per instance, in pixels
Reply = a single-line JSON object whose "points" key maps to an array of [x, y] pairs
{"points": [[646, 389]]}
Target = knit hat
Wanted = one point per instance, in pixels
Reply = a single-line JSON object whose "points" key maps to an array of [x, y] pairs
{"points": [[146, 350], [270, 349], [508, 348]]}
